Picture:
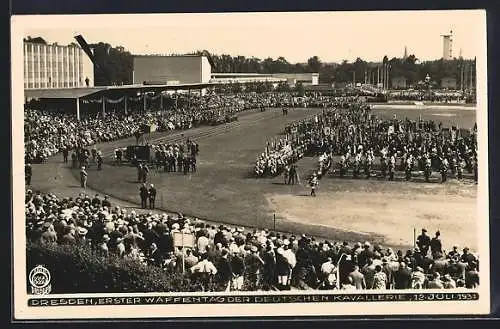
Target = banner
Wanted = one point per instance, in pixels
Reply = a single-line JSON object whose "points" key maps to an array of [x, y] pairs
{"points": [[91, 101], [135, 99], [182, 239], [116, 101]]}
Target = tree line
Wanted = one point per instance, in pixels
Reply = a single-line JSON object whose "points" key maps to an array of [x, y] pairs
{"points": [[115, 66]]}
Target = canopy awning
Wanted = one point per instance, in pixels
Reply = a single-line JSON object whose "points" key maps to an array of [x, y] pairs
{"points": [[66, 93]]}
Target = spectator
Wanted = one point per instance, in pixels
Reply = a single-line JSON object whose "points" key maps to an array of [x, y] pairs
{"points": [[357, 278], [402, 277], [436, 246], [265, 259], [436, 282], [379, 279]]}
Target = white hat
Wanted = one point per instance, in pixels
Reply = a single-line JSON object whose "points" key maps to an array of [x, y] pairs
{"points": [[286, 242]]}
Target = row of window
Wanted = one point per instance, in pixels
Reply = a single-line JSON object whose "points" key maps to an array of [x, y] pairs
{"points": [[70, 84], [43, 70]]}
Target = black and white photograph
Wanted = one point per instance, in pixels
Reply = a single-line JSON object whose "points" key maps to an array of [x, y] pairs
{"points": [[250, 164]]}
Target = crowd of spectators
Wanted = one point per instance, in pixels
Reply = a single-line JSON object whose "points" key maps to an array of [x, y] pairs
{"points": [[437, 96], [234, 258]]}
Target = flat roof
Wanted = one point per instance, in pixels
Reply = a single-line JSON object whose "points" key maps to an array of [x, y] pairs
{"points": [[241, 74], [165, 55], [61, 92], [91, 92]]}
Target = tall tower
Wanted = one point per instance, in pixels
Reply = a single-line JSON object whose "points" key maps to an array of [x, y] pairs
{"points": [[447, 46], [406, 53]]}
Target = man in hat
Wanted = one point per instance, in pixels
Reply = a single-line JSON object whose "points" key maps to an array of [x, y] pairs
{"points": [[224, 270], [106, 202], [392, 166], [118, 156], [467, 257], [83, 177], [314, 183], [448, 282], [423, 242], [365, 254], [99, 161], [238, 268], [454, 253], [436, 282], [144, 193], [204, 272], [48, 236], [74, 158], [65, 153], [81, 233], [254, 264], [472, 277], [139, 172], [402, 277], [427, 167], [444, 169], [69, 236], [418, 279], [152, 196], [436, 246]]}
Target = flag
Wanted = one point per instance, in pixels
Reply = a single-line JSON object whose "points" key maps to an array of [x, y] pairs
{"points": [[390, 130]]}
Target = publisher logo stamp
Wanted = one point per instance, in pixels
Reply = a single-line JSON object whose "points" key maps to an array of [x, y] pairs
{"points": [[39, 279]]}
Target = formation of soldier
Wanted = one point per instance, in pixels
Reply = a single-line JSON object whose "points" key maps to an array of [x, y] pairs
{"points": [[175, 157], [84, 157], [362, 143]]}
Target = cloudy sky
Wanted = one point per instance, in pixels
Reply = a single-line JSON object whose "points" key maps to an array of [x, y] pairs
{"points": [[333, 36]]}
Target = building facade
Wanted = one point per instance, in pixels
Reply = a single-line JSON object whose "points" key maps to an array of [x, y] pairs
{"points": [[307, 79], [447, 47], [48, 66], [163, 69]]}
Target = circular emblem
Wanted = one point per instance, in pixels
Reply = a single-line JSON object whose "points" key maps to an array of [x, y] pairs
{"points": [[39, 277]]}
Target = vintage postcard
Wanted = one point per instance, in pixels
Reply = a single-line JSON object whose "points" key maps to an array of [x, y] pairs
{"points": [[250, 164]]}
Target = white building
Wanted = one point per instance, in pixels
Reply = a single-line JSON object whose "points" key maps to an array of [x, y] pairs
{"points": [[48, 66], [163, 69], [307, 79], [447, 46]]}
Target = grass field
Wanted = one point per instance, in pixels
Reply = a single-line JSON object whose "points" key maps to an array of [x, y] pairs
{"points": [[345, 209]]}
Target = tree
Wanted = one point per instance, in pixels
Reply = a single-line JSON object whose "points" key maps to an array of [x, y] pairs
{"points": [[314, 64], [299, 89], [114, 65]]}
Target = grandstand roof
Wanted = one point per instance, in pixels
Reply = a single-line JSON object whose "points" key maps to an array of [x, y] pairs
{"points": [[93, 92], [61, 93]]}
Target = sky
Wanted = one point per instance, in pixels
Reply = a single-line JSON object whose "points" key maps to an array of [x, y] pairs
{"points": [[332, 36]]}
